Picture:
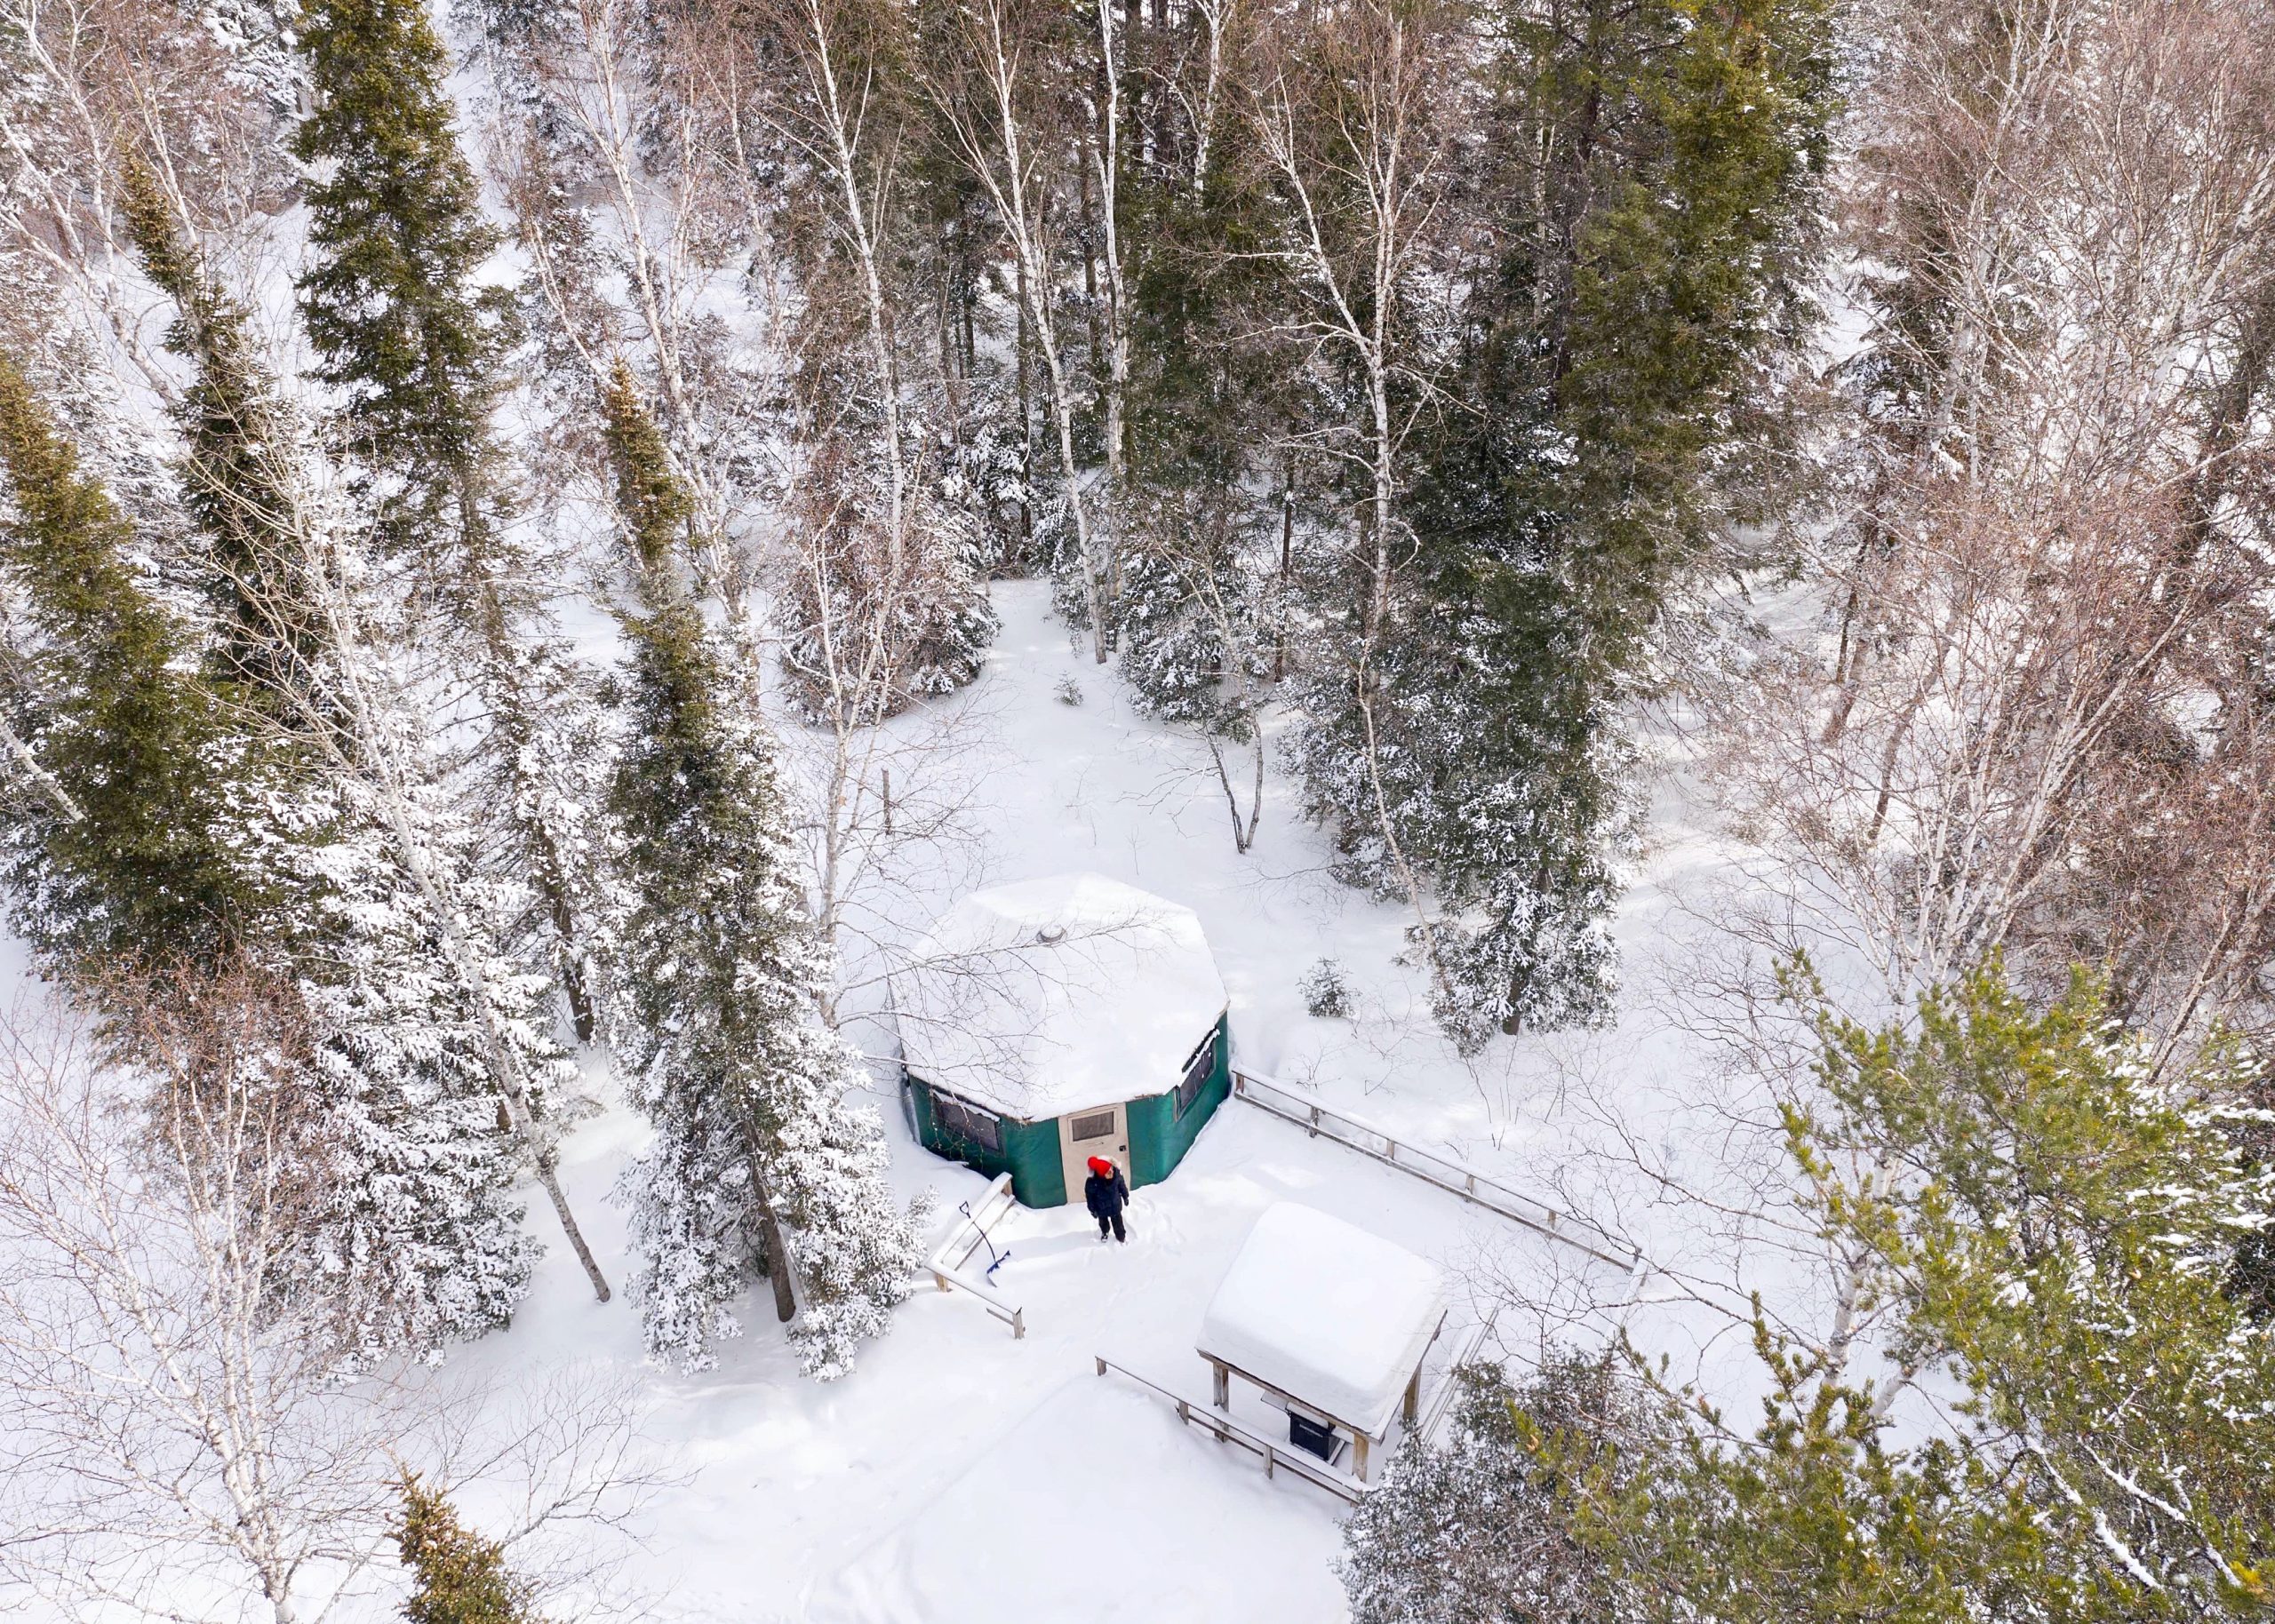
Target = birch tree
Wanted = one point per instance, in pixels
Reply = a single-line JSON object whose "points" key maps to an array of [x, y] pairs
{"points": [[184, 1441], [419, 889], [1350, 122], [2043, 585], [995, 95], [178, 1439]]}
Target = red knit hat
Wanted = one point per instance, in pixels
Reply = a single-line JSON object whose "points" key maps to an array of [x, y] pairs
{"points": [[1101, 1167]]}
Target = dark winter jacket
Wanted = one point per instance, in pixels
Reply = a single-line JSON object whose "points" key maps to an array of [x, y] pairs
{"points": [[1104, 1195]]}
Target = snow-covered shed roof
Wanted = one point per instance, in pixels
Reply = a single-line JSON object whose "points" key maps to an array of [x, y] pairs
{"points": [[1333, 1317], [1058, 994]]}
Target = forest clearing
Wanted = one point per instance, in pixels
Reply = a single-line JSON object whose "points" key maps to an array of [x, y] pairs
{"points": [[1412, 811]]}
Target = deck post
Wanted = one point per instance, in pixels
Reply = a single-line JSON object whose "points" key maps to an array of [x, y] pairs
{"points": [[1100, 1361], [1220, 1385], [1267, 1459], [1358, 1455], [1413, 1405]]}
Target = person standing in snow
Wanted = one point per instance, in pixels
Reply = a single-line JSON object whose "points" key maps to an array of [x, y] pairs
{"points": [[1104, 1193]]}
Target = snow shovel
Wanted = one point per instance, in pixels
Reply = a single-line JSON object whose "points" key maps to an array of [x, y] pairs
{"points": [[996, 1259]]}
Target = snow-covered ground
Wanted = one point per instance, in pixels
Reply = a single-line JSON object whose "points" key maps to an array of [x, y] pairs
{"points": [[961, 1474]]}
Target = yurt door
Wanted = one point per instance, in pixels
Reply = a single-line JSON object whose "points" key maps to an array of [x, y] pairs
{"points": [[1084, 1134]]}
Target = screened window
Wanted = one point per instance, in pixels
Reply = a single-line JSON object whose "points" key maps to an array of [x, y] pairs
{"points": [[1099, 1124], [1197, 1074], [968, 1123]]}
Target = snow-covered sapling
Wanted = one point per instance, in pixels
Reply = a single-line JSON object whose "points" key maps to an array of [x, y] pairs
{"points": [[1325, 992], [1068, 691]]}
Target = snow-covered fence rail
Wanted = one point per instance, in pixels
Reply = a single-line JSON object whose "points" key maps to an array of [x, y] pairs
{"points": [[1444, 1172], [950, 1264], [1277, 1457]]}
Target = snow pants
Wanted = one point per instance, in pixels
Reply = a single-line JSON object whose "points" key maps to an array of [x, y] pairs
{"points": [[1115, 1218]]}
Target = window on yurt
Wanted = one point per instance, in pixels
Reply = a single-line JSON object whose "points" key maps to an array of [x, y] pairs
{"points": [[968, 1123], [1197, 1073], [1097, 1125]]}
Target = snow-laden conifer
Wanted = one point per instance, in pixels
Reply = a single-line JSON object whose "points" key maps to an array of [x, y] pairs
{"points": [[397, 229], [177, 832], [762, 1162], [419, 1163], [393, 307], [409, 920], [120, 842]]}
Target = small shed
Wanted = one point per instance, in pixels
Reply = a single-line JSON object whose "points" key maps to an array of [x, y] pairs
{"points": [[1050, 1020], [1331, 1323]]}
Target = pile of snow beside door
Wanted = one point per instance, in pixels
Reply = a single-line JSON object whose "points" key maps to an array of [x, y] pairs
{"points": [[1333, 1317]]}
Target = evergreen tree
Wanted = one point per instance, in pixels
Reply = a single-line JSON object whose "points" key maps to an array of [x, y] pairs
{"points": [[458, 1577], [2061, 1231], [2050, 1236], [1635, 237], [419, 1159], [1209, 516], [396, 228], [1480, 1532], [761, 1163], [397, 936], [393, 309], [239, 442], [190, 838], [127, 844]]}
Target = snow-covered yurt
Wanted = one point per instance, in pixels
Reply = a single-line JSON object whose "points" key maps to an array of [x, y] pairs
{"points": [[1050, 1020]]}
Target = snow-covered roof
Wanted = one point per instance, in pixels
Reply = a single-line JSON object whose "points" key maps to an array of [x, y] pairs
{"points": [[1333, 1317], [1054, 995]]}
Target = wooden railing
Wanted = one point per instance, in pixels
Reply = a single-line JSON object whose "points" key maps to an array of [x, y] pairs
{"points": [[1428, 1165], [1278, 1457], [950, 1264], [1440, 1400]]}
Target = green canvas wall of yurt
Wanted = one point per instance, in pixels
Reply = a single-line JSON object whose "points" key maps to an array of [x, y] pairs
{"points": [[960, 1131], [1053, 1019]]}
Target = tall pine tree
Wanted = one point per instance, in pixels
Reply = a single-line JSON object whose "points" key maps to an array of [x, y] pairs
{"points": [[761, 1163], [393, 308], [401, 936], [124, 844], [1633, 241], [2042, 1237], [395, 227], [180, 833], [238, 440]]}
